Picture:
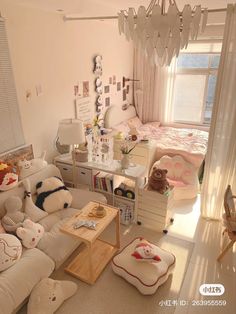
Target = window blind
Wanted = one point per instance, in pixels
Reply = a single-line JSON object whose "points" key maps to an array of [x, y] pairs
{"points": [[11, 133]]}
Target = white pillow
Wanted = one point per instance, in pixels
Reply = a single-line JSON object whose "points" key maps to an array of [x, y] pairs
{"points": [[48, 295], [10, 250], [134, 122], [122, 127]]}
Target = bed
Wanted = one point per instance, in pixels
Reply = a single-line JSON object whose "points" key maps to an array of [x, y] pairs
{"points": [[191, 144]]}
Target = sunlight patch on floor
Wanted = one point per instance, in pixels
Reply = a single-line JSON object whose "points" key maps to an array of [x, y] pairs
{"points": [[186, 214]]}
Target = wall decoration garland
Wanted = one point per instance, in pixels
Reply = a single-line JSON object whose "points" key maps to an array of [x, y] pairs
{"points": [[98, 121]]}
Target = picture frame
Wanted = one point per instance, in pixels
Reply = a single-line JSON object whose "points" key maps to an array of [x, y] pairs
{"points": [[106, 89], [86, 89], [118, 87], [124, 94], [107, 101]]}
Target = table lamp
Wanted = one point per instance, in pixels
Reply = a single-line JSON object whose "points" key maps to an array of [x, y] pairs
{"points": [[71, 132]]}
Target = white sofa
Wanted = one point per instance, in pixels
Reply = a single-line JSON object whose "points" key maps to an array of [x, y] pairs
{"points": [[17, 282]]}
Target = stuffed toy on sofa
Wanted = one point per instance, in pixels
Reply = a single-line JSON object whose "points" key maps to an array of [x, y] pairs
{"points": [[53, 195], [14, 217], [30, 233], [48, 295], [35, 213], [8, 176], [29, 167], [10, 250]]}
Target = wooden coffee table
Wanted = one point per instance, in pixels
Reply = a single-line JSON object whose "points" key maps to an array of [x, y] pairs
{"points": [[89, 263]]}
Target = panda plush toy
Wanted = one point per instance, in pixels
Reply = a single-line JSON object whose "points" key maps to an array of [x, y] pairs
{"points": [[53, 195]]}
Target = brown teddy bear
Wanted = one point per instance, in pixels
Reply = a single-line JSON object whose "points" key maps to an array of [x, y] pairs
{"points": [[157, 181]]}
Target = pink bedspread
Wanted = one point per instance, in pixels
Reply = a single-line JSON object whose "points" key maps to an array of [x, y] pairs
{"points": [[189, 143]]}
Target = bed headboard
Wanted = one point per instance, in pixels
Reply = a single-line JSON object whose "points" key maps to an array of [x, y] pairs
{"points": [[115, 115]]}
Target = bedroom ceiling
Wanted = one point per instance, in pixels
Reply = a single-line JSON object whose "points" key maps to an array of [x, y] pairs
{"points": [[106, 7]]}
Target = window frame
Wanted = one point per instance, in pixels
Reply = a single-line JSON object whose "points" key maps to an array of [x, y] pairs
{"points": [[196, 71]]}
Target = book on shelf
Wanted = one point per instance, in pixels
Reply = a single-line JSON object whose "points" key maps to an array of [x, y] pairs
{"points": [[103, 182]]}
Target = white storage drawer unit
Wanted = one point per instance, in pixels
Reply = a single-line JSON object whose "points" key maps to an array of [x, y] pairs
{"points": [[66, 172], [154, 209], [84, 176]]}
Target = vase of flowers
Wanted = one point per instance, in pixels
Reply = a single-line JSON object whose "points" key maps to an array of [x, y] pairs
{"points": [[126, 149]]}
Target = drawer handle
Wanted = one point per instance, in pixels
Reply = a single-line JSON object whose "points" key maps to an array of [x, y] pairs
{"points": [[65, 169], [82, 172]]}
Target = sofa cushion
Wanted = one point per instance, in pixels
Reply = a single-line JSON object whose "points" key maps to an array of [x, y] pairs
{"points": [[17, 282], [54, 243], [80, 197], [52, 219]]}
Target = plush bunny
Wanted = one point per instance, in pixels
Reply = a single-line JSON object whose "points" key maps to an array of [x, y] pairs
{"points": [[14, 217], [30, 234]]}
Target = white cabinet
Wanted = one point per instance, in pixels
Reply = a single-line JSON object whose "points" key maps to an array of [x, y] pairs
{"points": [[104, 179], [66, 172], [154, 209], [84, 176]]}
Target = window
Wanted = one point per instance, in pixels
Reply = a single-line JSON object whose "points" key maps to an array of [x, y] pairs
{"points": [[194, 87], [11, 128]]}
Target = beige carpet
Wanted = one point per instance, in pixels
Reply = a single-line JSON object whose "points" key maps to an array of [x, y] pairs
{"points": [[113, 295]]}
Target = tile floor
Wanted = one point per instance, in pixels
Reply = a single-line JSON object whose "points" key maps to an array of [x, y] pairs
{"points": [[203, 267]]}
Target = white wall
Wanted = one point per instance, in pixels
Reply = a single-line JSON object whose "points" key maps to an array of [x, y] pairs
{"points": [[57, 55]]}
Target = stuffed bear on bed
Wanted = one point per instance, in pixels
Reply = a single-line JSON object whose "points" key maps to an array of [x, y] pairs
{"points": [[53, 195]]}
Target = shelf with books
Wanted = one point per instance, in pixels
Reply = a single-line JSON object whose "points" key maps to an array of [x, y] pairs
{"points": [[103, 182]]}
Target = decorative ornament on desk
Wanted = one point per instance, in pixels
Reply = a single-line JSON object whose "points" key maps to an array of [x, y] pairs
{"points": [[133, 133], [98, 211]]}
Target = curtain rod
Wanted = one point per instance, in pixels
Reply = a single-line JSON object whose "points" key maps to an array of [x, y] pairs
{"points": [[113, 17]]}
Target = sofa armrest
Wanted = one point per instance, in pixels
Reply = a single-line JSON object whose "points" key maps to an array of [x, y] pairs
{"points": [[81, 197]]}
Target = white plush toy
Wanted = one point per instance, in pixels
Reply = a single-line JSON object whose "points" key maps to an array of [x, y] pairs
{"points": [[30, 234], [10, 250], [14, 217], [28, 167], [48, 295], [53, 195], [31, 210]]}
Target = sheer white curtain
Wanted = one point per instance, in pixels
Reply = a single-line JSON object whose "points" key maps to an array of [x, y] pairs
{"points": [[150, 91], [221, 156]]}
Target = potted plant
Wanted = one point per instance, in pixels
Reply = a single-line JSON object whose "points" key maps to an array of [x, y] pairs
{"points": [[126, 148]]}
